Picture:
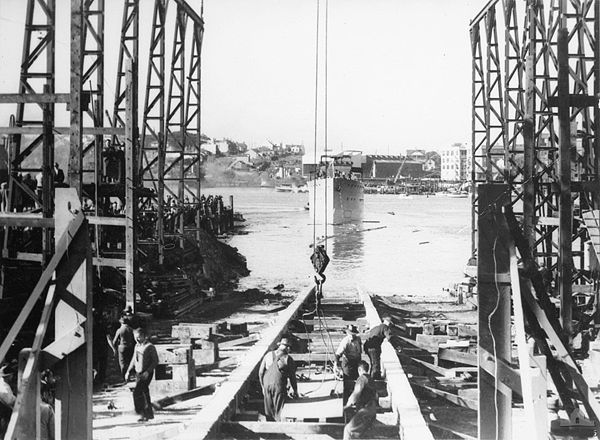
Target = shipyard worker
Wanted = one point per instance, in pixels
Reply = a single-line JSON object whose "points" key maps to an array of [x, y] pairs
{"points": [[46, 413], [100, 345], [59, 175], [364, 400], [124, 343], [373, 345], [4, 196], [274, 374], [7, 397], [144, 361], [347, 358]]}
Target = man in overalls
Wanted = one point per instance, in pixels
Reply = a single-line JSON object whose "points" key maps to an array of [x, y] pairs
{"points": [[275, 370], [364, 400], [347, 357]]}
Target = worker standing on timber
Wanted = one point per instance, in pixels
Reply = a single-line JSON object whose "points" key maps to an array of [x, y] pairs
{"points": [[373, 345], [364, 399], [275, 370], [144, 361], [348, 356], [124, 343]]}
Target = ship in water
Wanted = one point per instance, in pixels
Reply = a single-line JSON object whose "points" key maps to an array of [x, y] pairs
{"points": [[336, 190]]}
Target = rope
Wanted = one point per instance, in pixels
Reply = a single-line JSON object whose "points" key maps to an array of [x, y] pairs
{"points": [[325, 122], [489, 321], [315, 127]]}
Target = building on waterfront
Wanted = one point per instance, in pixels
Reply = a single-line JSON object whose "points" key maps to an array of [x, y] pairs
{"points": [[382, 167], [456, 163], [416, 155]]}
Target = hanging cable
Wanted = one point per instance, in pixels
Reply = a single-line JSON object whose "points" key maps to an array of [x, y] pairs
{"points": [[325, 116], [493, 312], [314, 206]]}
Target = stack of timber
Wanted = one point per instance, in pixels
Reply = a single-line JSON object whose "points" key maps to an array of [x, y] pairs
{"points": [[436, 341]]}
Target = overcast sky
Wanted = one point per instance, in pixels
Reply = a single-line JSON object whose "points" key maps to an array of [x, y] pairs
{"points": [[399, 71]]}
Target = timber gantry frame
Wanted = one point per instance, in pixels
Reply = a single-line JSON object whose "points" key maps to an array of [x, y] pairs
{"points": [[124, 177], [79, 198], [535, 151]]}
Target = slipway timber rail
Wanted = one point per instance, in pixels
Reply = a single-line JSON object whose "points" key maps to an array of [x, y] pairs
{"points": [[225, 413], [411, 423], [225, 401]]}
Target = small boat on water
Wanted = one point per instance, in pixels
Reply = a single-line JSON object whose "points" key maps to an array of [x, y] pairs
{"points": [[338, 189], [284, 187], [458, 195], [291, 187]]}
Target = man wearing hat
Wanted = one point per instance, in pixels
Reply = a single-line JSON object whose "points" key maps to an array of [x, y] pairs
{"points": [[373, 345], [276, 368], [347, 357]]}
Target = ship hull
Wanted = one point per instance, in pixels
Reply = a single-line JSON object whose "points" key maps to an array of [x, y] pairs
{"points": [[337, 200]]}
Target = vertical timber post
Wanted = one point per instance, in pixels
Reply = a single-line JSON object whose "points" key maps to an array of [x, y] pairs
{"points": [[74, 281], [47, 180], [565, 255], [231, 217], [493, 284], [131, 203], [529, 137], [75, 133]]}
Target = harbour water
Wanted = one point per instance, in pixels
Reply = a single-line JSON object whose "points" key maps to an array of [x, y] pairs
{"points": [[405, 245]]}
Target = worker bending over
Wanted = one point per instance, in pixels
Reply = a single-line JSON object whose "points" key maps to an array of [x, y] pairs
{"points": [[373, 345], [276, 368], [364, 400]]}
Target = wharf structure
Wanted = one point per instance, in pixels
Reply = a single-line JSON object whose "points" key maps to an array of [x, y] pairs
{"points": [[536, 199]]}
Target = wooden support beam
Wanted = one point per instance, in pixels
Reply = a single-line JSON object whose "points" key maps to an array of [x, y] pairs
{"points": [[565, 230], [563, 354], [534, 400], [61, 248], [239, 341], [411, 424], [63, 346], [25, 419], [131, 201], [450, 397], [186, 395], [494, 416], [438, 370], [34, 98], [508, 376], [25, 220], [110, 262], [76, 118], [106, 221], [439, 426], [33, 130], [333, 429], [449, 354], [73, 403]]}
